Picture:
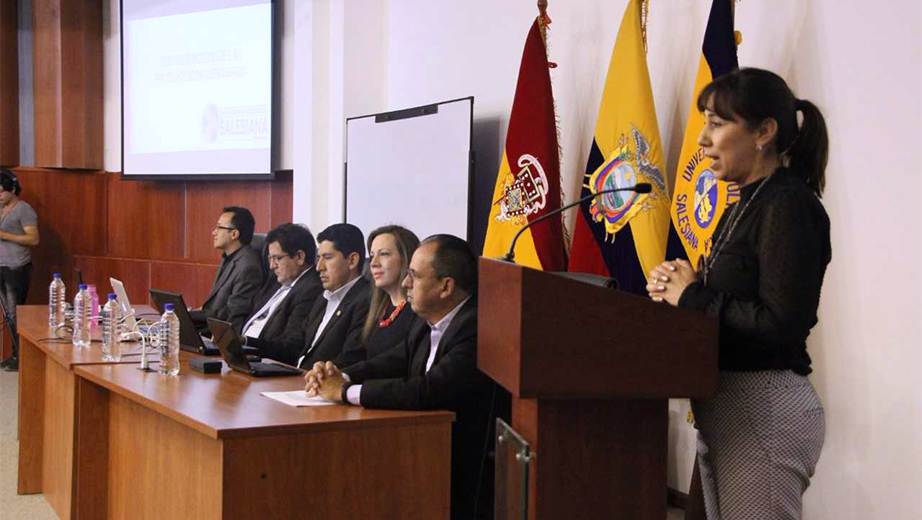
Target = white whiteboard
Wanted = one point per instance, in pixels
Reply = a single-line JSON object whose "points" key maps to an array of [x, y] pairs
{"points": [[411, 167]]}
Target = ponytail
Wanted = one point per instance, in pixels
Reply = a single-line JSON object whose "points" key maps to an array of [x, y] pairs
{"points": [[754, 95], [809, 153]]}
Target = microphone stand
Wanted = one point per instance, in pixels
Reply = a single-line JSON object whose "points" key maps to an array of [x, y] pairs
{"points": [[643, 187]]}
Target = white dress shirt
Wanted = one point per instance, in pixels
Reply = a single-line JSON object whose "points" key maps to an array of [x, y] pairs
{"points": [[255, 324], [334, 299], [354, 392]]}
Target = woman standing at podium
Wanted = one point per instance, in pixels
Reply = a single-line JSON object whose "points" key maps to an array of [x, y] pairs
{"points": [[760, 437], [18, 232]]}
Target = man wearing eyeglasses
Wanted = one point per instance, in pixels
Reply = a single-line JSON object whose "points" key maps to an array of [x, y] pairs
{"points": [[286, 299], [337, 318], [435, 367], [239, 276]]}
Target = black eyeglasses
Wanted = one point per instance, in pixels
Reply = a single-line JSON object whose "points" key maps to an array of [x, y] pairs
{"points": [[219, 226], [276, 258]]}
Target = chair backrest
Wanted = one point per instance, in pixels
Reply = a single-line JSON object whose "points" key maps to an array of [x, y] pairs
{"points": [[259, 244]]}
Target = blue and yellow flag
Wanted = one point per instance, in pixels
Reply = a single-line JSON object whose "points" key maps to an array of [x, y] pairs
{"points": [[623, 235], [700, 199]]}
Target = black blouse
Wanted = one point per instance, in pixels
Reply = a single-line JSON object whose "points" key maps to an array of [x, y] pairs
{"points": [[381, 338], [385, 338], [764, 285]]}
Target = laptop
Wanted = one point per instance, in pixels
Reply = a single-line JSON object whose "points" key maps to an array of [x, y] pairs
{"points": [[232, 352], [119, 288], [189, 338]]}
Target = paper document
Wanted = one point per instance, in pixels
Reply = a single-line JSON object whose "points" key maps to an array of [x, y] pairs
{"points": [[297, 398]]}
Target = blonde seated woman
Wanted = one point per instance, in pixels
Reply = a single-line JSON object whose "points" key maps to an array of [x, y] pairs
{"points": [[389, 315]]}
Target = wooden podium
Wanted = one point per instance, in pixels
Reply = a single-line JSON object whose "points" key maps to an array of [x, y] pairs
{"points": [[591, 371]]}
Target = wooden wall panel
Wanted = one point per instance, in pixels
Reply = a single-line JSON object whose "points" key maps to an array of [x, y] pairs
{"points": [[81, 83], [135, 274], [46, 75], [9, 83], [282, 204], [204, 202], [67, 70], [192, 280], [138, 232], [71, 221], [146, 219]]}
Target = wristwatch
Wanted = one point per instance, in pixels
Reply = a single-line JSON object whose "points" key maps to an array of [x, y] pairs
{"points": [[343, 392]]}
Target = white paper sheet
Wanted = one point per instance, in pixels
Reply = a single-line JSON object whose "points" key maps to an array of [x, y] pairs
{"points": [[297, 398]]}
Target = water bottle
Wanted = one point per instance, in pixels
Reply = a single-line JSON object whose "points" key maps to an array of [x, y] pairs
{"points": [[111, 315], [56, 302], [169, 341], [82, 304]]}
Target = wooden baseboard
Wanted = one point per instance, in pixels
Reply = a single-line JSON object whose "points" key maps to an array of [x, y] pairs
{"points": [[676, 498]]}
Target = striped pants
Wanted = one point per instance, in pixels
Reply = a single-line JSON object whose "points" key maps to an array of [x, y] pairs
{"points": [[759, 440]]}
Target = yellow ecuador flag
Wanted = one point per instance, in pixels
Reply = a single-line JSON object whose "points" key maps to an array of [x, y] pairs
{"points": [[528, 183], [624, 233], [700, 199]]}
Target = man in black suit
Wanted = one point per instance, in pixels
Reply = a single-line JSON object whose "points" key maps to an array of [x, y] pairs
{"points": [[337, 318], [435, 367], [239, 276], [287, 298]]}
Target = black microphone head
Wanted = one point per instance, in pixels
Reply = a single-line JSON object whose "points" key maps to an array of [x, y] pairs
{"points": [[643, 187]]}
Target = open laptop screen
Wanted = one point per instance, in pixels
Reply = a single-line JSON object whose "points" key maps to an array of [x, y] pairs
{"points": [[188, 334], [229, 345]]}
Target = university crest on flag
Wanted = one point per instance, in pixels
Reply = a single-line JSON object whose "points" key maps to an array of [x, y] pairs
{"points": [[700, 199]]}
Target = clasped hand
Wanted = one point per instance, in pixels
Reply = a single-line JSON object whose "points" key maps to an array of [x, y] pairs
{"points": [[668, 280], [324, 380]]}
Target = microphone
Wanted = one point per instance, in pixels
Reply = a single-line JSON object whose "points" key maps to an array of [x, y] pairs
{"points": [[643, 187]]}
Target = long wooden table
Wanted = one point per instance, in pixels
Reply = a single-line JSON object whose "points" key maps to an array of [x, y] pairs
{"points": [[47, 413], [144, 445]]}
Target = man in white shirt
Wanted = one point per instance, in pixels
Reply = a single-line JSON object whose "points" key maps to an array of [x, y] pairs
{"points": [[337, 317], [286, 299], [435, 368]]}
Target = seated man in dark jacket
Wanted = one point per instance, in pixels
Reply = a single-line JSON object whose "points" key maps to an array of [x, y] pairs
{"points": [[287, 298], [436, 367], [239, 276], [337, 317]]}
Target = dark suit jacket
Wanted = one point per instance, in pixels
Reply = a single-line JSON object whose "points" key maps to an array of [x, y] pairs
{"points": [[397, 379], [233, 290], [290, 315], [344, 326]]}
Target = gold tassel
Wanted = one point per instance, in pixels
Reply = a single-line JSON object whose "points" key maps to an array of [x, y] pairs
{"points": [[644, 13]]}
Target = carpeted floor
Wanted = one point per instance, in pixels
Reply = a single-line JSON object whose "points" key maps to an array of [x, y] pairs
{"points": [[34, 507]]}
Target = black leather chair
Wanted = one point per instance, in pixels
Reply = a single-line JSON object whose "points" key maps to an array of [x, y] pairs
{"points": [[259, 244]]}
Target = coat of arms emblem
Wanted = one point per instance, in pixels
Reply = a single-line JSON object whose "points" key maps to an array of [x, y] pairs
{"points": [[524, 193]]}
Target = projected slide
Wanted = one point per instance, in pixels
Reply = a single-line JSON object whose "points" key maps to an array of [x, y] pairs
{"points": [[197, 91]]}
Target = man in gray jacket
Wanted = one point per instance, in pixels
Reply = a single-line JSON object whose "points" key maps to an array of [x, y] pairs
{"points": [[239, 276]]}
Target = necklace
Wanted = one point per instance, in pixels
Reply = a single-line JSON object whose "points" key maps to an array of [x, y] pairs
{"points": [[390, 319], [727, 232]]}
